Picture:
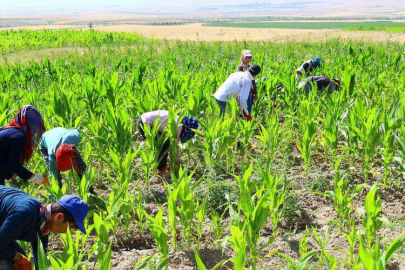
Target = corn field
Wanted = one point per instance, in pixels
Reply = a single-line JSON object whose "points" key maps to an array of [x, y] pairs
{"points": [[312, 182]]}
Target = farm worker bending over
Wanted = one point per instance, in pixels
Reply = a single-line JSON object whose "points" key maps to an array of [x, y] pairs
{"points": [[59, 149], [238, 85], [25, 218], [322, 82], [184, 132], [18, 141], [245, 60], [308, 67]]}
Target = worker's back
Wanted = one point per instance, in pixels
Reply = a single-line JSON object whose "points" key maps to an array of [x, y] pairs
{"points": [[19, 213]]}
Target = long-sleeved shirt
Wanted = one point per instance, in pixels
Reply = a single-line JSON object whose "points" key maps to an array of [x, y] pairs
{"points": [[307, 66], [19, 219], [238, 84], [163, 115], [321, 81], [243, 68], [12, 143], [51, 140]]}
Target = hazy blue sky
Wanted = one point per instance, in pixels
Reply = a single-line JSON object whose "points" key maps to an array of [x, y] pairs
{"points": [[139, 5], [72, 3]]}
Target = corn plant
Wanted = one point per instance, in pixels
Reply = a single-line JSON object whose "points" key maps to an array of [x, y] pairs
{"points": [[276, 189], [307, 113], [270, 136], [342, 197], [352, 239], [157, 229], [154, 144], [302, 263], [376, 257], [393, 118], [72, 254], [255, 207], [372, 219], [218, 136], [324, 255], [238, 241], [334, 116], [364, 129], [216, 225], [201, 214]]}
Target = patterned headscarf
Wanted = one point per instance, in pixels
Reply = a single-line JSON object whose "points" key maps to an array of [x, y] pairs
{"points": [[188, 123], [30, 122]]}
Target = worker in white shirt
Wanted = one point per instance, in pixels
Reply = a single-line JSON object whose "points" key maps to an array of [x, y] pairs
{"points": [[238, 85], [245, 60]]}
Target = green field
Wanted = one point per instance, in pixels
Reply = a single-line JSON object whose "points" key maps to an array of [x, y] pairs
{"points": [[393, 29], [312, 182], [307, 25]]}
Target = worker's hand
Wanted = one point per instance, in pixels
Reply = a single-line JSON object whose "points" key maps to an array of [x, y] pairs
{"points": [[255, 97], [39, 179], [22, 264]]}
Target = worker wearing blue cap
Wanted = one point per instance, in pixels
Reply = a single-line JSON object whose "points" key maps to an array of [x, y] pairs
{"points": [[24, 218]]}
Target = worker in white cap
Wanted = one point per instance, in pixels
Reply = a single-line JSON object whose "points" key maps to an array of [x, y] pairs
{"points": [[245, 59]]}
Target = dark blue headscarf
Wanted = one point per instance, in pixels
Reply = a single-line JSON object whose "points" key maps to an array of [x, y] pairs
{"points": [[188, 123]]}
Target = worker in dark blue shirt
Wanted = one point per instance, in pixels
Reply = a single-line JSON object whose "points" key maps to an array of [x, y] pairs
{"points": [[18, 141], [25, 218]]}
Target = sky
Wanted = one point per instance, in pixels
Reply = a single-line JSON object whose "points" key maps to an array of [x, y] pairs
{"points": [[155, 3], [144, 6]]}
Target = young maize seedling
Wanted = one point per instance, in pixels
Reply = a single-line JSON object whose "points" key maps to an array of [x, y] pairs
{"points": [[375, 257], [157, 229], [323, 251], [255, 208], [372, 219], [216, 225], [201, 214], [352, 238], [276, 189], [238, 241], [307, 114], [342, 197], [270, 137]]}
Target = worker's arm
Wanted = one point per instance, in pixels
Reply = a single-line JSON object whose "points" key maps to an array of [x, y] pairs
{"points": [[307, 66], [79, 165], [53, 169], [13, 160], [244, 95], [177, 141], [9, 230]]}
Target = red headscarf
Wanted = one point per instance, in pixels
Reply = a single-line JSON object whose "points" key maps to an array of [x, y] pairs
{"points": [[65, 157], [30, 122]]}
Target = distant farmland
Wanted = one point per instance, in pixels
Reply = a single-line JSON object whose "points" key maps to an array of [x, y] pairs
{"points": [[308, 25]]}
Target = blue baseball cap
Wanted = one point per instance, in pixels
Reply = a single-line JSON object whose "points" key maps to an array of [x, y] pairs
{"points": [[77, 207]]}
